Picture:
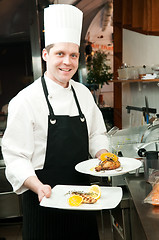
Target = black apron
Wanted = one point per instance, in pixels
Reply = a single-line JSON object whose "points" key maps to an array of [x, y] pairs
{"points": [[67, 145]]}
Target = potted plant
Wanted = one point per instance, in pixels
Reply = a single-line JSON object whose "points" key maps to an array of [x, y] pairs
{"points": [[98, 71]]}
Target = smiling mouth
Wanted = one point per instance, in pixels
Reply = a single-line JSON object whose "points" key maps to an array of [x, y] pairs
{"points": [[65, 70]]}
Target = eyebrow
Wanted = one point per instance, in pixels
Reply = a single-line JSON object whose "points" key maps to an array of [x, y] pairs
{"points": [[63, 51]]}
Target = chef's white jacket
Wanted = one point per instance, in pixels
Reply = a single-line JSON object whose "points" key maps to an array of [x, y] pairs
{"points": [[25, 138]]}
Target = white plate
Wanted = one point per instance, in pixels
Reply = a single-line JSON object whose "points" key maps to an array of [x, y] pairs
{"points": [[127, 165], [110, 198]]}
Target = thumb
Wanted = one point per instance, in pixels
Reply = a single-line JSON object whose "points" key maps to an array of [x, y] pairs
{"points": [[44, 191], [47, 191]]}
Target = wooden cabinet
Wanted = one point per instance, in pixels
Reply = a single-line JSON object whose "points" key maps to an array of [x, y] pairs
{"points": [[141, 16], [137, 14], [127, 12], [151, 16]]}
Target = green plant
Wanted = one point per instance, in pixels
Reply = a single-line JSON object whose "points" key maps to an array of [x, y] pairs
{"points": [[98, 70]]}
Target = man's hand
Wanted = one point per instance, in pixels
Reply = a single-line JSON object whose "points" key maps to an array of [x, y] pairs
{"points": [[44, 190], [34, 184]]}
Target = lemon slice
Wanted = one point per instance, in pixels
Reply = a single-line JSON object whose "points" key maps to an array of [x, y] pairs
{"points": [[75, 200], [95, 191], [104, 156]]}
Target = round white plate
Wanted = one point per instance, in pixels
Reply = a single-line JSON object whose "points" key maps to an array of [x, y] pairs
{"points": [[127, 165]]}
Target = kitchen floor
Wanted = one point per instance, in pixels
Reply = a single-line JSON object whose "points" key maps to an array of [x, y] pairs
{"points": [[12, 230]]}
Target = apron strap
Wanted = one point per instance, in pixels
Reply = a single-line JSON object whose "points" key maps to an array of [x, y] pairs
{"points": [[77, 103], [46, 96], [49, 105]]}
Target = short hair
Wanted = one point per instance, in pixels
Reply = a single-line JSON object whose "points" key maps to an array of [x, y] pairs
{"points": [[48, 47]]}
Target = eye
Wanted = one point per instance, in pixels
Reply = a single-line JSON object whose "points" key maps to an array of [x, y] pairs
{"points": [[74, 55], [60, 54]]}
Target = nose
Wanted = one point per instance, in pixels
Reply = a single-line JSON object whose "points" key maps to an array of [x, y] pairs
{"points": [[66, 60]]}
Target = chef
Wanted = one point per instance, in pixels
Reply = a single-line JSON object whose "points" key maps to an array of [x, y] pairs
{"points": [[53, 124]]}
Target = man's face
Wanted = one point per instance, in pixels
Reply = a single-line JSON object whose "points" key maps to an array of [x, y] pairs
{"points": [[62, 62]]}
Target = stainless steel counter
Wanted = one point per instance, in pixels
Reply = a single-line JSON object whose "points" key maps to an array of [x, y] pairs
{"points": [[146, 221]]}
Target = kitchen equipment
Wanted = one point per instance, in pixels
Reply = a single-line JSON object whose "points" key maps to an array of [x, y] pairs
{"points": [[10, 203], [120, 218], [151, 161], [129, 140], [147, 110]]}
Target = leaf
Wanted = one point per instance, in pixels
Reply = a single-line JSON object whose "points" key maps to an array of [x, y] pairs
{"points": [[98, 70]]}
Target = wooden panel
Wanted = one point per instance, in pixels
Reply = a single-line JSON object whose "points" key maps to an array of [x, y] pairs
{"points": [[155, 15], [147, 15], [117, 63], [117, 11], [127, 12], [118, 117], [151, 16], [137, 13], [117, 38], [117, 27]]}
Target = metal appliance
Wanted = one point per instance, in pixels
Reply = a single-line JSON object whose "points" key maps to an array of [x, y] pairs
{"points": [[120, 216], [127, 142], [10, 203]]}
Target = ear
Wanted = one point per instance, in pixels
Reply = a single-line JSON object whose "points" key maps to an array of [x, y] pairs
{"points": [[44, 54]]}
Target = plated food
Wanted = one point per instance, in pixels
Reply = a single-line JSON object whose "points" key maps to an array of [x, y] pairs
{"points": [[109, 161], [108, 197], [79, 197]]}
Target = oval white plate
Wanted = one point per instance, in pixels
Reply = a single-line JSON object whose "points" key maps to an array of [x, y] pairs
{"points": [[127, 165]]}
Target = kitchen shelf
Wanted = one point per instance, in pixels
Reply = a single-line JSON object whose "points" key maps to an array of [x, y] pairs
{"points": [[135, 80]]}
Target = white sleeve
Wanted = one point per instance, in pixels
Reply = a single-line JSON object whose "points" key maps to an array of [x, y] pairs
{"points": [[96, 126], [97, 139], [18, 144]]}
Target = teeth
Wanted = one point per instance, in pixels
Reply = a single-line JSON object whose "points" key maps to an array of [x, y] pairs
{"points": [[65, 70]]}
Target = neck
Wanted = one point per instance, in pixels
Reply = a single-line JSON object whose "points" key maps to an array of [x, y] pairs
{"points": [[62, 84]]}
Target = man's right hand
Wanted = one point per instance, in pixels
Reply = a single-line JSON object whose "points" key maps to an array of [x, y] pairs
{"points": [[34, 184], [44, 190]]}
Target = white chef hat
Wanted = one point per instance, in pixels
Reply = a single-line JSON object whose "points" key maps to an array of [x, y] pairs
{"points": [[62, 23]]}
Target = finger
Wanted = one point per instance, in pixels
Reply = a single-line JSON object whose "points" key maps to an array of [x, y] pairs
{"points": [[40, 196], [47, 191], [48, 194]]}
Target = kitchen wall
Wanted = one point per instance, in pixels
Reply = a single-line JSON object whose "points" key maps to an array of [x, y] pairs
{"points": [[101, 38], [139, 50]]}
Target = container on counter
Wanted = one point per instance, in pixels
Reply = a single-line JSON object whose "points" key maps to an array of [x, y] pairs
{"points": [[123, 73]]}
